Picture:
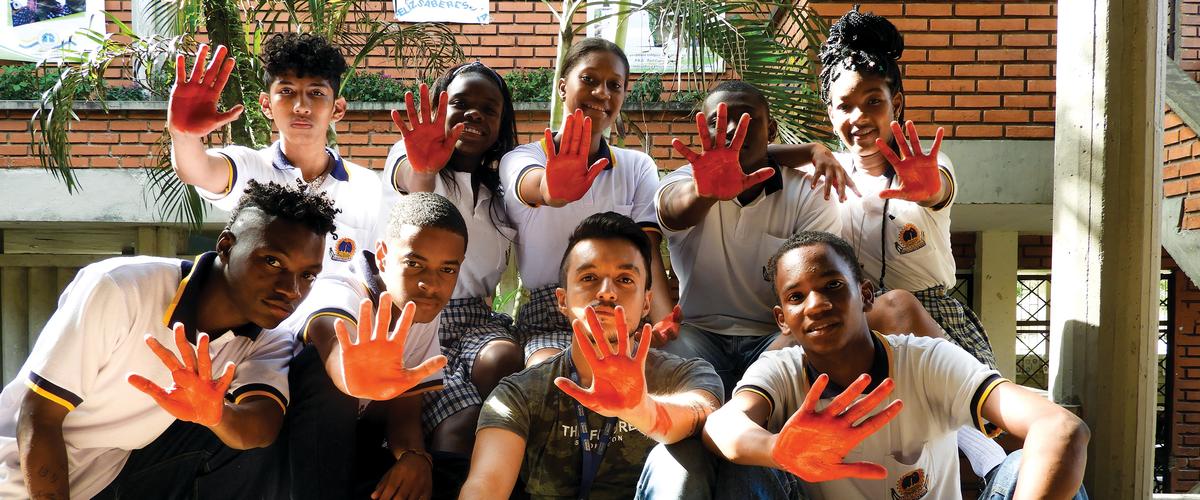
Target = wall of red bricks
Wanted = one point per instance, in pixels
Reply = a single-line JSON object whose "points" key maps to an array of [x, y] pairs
{"points": [[1181, 167], [1185, 425], [1187, 52]]}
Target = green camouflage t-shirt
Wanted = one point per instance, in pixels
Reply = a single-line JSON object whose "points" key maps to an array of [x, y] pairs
{"points": [[528, 404]]}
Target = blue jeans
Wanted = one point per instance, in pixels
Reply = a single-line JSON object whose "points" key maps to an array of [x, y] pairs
{"points": [[686, 470], [1002, 481], [729, 355]]}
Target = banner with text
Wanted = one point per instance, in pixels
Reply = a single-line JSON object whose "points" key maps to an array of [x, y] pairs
{"points": [[442, 11]]}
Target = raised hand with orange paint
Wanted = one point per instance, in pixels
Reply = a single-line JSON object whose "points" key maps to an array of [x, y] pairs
{"points": [[813, 444], [568, 176], [426, 141], [618, 380], [920, 176], [373, 367], [667, 329], [717, 170], [195, 395], [192, 109]]}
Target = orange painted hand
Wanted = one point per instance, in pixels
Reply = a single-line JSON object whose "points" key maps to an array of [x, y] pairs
{"points": [[192, 109], [373, 368], [667, 329], [428, 144], [920, 178], [813, 443], [195, 396], [717, 171], [567, 176], [618, 380]]}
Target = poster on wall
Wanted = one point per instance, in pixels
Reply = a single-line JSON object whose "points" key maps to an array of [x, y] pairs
{"points": [[649, 46], [442, 11], [39, 29]]}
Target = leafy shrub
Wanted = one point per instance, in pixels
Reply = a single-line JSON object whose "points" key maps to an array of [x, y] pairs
{"points": [[648, 88], [688, 96], [530, 85], [374, 87], [23, 82]]}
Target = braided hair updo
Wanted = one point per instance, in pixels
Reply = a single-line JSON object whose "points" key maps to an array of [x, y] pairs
{"points": [[866, 44]]}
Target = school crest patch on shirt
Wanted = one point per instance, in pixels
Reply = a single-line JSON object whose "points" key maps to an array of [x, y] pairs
{"points": [[343, 250], [909, 239], [911, 486]]}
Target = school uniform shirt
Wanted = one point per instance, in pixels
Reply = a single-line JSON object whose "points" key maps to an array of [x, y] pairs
{"points": [[529, 405], [626, 186], [95, 339], [916, 239], [489, 231], [354, 190], [943, 389], [722, 261], [338, 295]]}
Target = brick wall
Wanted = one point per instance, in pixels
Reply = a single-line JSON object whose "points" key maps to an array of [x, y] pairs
{"points": [[1181, 167], [1185, 431], [1187, 52]]}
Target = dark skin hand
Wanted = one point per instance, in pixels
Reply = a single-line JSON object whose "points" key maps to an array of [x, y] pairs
{"points": [[42, 449]]}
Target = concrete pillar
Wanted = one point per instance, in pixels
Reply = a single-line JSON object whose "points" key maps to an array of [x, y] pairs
{"points": [[996, 294], [168, 242], [1107, 192], [14, 320], [147, 241]]}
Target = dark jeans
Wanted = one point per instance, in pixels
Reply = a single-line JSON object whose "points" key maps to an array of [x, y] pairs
{"points": [[729, 355], [189, 461]]}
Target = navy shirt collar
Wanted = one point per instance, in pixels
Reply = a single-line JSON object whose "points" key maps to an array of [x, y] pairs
{"points": [[281, 162], [185, 307], [880, 370]]}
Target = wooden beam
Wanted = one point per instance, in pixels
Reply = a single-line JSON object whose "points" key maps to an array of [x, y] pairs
{"points": [[43, 295], [72, 242], [31, 260], [14, 320]]}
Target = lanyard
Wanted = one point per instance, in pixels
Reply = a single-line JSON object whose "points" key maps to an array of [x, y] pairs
{"points": [[591, 456]]}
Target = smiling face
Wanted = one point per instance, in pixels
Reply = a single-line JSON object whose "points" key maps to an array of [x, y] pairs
{"points": [[476, 101], [421, 265], [821, 306], [596, 84], [762, 129], [861, 110], [605, 273], [270, 265], [302, 107]]}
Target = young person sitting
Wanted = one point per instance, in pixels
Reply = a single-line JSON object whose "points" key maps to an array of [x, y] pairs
{"points": [[303, 75], [353, 394], [565, 441], [907, 450], [75, 423]]}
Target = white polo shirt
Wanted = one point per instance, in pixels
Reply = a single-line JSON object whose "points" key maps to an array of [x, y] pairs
{"points": [[94, 340], [722, 261], [355, 191], [626, 186], [943, 388], [490, 233], [916, 239], [339, 295]]}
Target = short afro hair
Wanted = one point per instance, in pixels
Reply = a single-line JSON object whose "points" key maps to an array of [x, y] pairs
{"points": [[312, 210], [425, 210], [741, 87], [607, 226], [303, 55], [810, 238], [863, 43]]}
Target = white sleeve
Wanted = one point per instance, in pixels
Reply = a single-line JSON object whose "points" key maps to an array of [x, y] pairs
{"points": [[264, 371], [955, 383], [244, 164], [391, 182], [645, 212], [514, 166], [93, 317], [948, 166], [679, 174], [817, 213], [776, 377], [334, 295], [422, 344]]}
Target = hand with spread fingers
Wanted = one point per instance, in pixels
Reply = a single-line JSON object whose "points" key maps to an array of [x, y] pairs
{"points": [[195, 395], [618, 376], [426, 141], [192, 110], [920, 177], [667, 329], [373, 367], [717, 171], [813, 444], [568, 176], [827, 167]]}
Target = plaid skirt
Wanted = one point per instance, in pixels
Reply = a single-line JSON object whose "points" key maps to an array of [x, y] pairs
{"points": [[540, 325], [467, 325], [960, 323]]}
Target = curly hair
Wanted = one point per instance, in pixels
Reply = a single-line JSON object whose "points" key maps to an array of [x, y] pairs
{"points": [[302, 55], [488, 175], [312, 210], [743, 87], [810, 238], [866, 44], [425, 210], [608, 226]]}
